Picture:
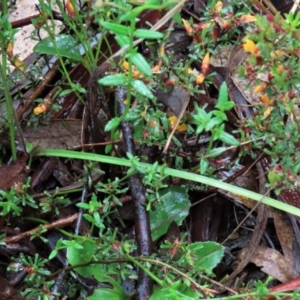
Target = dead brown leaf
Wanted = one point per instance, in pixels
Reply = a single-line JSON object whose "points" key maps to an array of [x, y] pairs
{"points": [[58, 134], [272, 262], [14, 173]]}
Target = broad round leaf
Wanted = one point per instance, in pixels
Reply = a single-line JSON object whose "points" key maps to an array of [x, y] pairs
{"points": [[66, 46], [173, 206], [206, 254]]}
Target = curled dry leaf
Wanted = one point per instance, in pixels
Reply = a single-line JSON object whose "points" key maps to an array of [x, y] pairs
{"points": [[272, 262]]}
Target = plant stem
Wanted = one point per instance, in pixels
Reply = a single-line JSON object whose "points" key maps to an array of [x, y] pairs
{"points": [[149, 273], [175, 173]]}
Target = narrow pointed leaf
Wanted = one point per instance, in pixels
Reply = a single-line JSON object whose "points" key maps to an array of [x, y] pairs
{"points": [[148, 34], [115, 28], [142, 88], [113, 80], [141, 64]]}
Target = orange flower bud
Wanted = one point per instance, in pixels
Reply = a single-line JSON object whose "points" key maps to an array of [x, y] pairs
{"points": [[155, 69], [187, 27], [266, 100], [247, 18], [9, 49], [259, 88], [70, 9], [136, 74], [251, 47], [205, 64]]}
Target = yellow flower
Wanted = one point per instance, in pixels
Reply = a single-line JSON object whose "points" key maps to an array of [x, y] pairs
{"points": [[247, 18], [40, 109], [250, 46], [180, 128], [276, 54], [218, 6], [267, 111], [125, 65], [259, 88], [200, 78], [266, 100]]}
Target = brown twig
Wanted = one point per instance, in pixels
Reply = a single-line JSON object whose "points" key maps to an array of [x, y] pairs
{"points": [[142, 223], [58, 223]]}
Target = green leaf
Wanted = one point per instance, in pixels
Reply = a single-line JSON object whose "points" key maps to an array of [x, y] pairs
{"points": [[113, 80], [177, 18], [216, 152], [115, 28], [148, 34], [177, 290], [84, 255], [142, 88], [207, 254], [212, 123], [77, 256], [229, 139], [141, 63], [122, 40], [66, 46], [112, 124], [224, 103], [116, 293], [53, 254], [134, 13], [203, 166], [173, 206]]}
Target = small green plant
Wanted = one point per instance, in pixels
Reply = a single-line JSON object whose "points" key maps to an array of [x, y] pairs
{"points": [[52, 202], [272, 69], [36, 286], [213, 122], [17, 197]]}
